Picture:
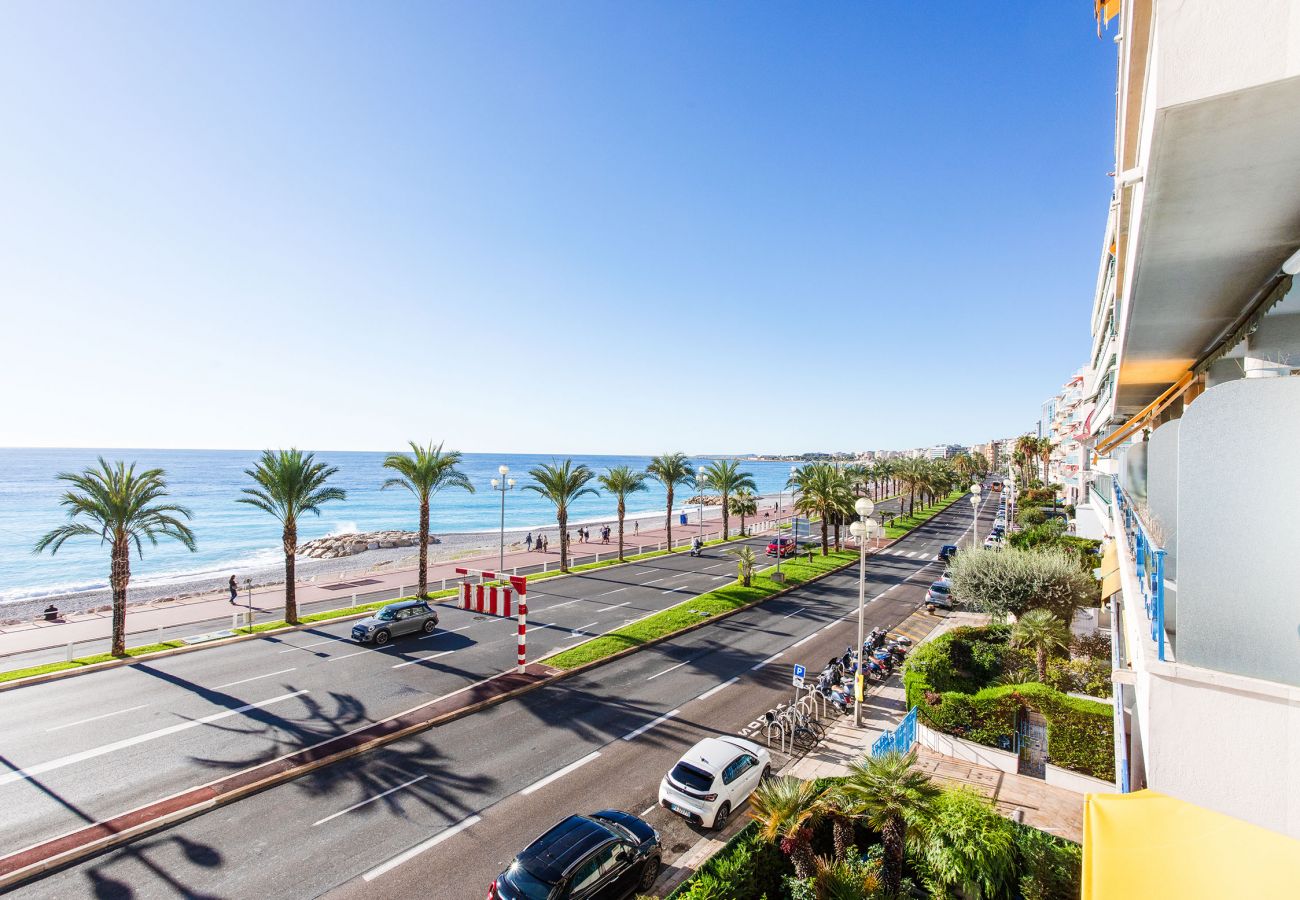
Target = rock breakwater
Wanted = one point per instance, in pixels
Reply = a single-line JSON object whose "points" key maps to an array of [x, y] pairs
{"points": [[338, 545]]}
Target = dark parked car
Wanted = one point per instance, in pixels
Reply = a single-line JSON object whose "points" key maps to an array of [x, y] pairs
{"points": [[947, 552], [394, 620], [607, 855]]}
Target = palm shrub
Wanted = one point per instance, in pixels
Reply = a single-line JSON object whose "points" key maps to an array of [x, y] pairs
{"points": [[1014, 581], [786, 810], [1043, 633], [424, 472], [562, 483], [290, 483], [119, 506], [967, 847], [744, 503], [1050, 867], [746, 561], [672, 470], [621, 481], [725, 477], [893, 799]]}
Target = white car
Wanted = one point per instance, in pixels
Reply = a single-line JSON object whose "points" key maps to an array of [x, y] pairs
{"points": [[713, 778]]}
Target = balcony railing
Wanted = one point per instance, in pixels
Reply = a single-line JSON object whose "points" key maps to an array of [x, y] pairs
{"points": [[1149, 558]]}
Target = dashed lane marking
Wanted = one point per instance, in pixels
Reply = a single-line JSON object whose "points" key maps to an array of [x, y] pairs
{"points": [[419, 848], [560, 773]]}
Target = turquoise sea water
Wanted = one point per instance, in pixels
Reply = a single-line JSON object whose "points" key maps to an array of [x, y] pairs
{"points": [[235, 535]]}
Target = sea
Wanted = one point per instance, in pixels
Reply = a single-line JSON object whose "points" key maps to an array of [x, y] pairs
{"points": [[236, 537]]}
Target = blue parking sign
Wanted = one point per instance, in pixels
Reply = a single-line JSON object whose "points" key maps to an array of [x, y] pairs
{"points": [[799, 672]]}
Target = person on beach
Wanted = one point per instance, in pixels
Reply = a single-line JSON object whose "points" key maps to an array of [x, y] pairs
{"points": [[234, 590], [528, 541]]}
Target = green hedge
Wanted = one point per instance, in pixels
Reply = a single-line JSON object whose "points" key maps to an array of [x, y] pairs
{"points": [[945, 679]]}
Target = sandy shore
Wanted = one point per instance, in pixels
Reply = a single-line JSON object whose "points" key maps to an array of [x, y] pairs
{"points": [[451, 546]]}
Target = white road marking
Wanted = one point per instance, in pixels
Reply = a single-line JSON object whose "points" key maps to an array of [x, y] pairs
{"points": [[795, 613], [254, 678], [61, 762], [342, 812], [615, 606], [633, 735], [348, 655], [649, 809], [584, 627], [713, 690], [96, 718], [615, 591], [411, 662], [425, 637], [559, 773], [803, 641], [669, 669], [313, 644], [711, 568], [655, 581], [770, 659], [419, 848], [562, 605]]}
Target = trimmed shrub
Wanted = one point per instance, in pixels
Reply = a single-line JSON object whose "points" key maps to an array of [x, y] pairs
{"points": [[1031, 516], [1000, 582]]}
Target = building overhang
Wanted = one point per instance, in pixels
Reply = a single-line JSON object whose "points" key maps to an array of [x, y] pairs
{"points": [[1220, 214]]}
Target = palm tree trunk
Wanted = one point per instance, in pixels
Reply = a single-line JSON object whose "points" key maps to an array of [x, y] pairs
{"points": [[893, 837], [424, 546], [726, 521], [842, 833], [119, 575], [622, 510], [1042, 664], [802, 857], [742, 524], [562, 519], [668, 524], [825, 541], [290, 541]]}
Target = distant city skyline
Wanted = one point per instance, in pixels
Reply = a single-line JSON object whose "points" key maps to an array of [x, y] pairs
{"points": [[584, 228]]}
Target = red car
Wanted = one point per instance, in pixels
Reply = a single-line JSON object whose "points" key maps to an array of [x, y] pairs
{"points": [[783, 546]]}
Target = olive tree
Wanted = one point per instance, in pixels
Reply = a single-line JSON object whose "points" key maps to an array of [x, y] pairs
{"points": [[1002, 582]]}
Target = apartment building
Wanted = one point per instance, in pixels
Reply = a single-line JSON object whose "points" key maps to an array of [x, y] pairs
{"points": [[1191, 409]]}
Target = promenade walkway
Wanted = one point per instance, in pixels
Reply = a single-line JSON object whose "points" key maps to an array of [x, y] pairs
{"points": [[38, 642]]}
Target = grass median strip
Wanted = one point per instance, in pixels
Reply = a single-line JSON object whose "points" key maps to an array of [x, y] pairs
{"points": [[690, 612], [82, 661], [901, 525]]}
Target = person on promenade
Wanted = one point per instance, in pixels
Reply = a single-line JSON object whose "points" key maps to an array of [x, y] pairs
{"points": [[636, 527], [234, 590], [528, 541], [546, 543]]}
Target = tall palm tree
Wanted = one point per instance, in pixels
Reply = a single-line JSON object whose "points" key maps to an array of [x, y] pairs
{"points": [[1045, 455], [562, 483], [786, 810], [821, 492], [290, 483], [425, 472], [1041, 631], [725, 477], [893, 799], [746, 561], [909, 473], [621, 481], [744, 503], [117, 505], [671, 470]]}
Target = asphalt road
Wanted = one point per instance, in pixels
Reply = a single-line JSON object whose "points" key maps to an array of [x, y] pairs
{"points": [[439, 814], [582, 553]]}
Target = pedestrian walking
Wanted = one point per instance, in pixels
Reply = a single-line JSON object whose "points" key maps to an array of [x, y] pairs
{"points": [[528, 541], [234, 589], [546, 543], [636, 526]]}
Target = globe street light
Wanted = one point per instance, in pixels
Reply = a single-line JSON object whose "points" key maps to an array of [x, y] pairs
{"points": [[975, 514], [863, 529], [701, 479], [503, 485]]}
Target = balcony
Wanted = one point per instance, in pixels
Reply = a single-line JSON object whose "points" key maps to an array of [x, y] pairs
{"points": [[1149, 558]]}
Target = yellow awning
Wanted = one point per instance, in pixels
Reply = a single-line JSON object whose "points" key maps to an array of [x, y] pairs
{"points": [[1110, 583], [1150, 845]]}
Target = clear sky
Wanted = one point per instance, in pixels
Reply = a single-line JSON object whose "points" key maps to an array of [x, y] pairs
{"points": [[546, 226]]}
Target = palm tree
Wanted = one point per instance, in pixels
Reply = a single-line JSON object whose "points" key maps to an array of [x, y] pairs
{"points": [[290, 483], [562, 483], [621, 481], [910, 473], [745, 562], [786, 809], [893, 799], [119, 509], [725, 477], [744, 503], [671, 470], [424, 473], [1045, 454], [842, 809], [1041, 631], [820, 492]]}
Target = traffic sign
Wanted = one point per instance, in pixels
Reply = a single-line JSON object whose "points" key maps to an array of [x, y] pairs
{"points": [[799, 672]]}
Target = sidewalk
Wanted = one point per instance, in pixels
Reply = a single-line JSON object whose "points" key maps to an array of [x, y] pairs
{"points": [[146, 621]]}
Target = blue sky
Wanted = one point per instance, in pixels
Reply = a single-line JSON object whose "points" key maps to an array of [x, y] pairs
{"points": [[545, 226]]}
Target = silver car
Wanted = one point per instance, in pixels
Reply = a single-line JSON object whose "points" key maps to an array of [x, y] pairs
{"points": [[394, 620]]}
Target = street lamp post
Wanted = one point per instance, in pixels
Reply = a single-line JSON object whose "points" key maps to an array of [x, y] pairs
{"points": [[700, 480], [975, 514], [502, 485], [863, 530]]}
